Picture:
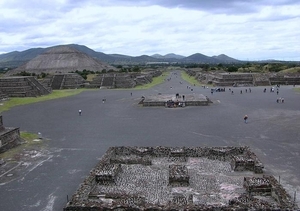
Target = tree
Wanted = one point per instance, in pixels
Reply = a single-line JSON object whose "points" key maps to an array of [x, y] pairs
{"points": [[232, 69]]}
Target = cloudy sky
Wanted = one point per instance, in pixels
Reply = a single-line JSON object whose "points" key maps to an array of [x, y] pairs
{"points": [[243, 29]]}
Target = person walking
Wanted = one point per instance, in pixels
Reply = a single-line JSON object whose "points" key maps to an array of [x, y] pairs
{"points": [[79, 112], [246, 119]]}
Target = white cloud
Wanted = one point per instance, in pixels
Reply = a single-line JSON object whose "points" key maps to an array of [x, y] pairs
{"points": [[240, 29]]}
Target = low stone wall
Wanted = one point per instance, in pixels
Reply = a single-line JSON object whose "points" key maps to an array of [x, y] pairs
{"points": [[9, 139], [285, 80]]}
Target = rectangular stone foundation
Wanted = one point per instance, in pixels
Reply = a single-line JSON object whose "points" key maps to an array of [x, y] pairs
{"points": [[204, 181]]}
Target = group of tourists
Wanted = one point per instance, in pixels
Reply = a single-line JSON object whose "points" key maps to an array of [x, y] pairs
{"points": [[280, 100]]}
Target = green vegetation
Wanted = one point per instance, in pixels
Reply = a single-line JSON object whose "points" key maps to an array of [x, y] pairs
{"points": [[90, 77], [24, 73], [85, 73], [297, 89], [232, 69], [155, 81], [127, 69], [28, 136], [27, 100], [291, 70], [190, 79]]}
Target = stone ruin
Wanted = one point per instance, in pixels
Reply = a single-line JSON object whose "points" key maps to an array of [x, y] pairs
{"points": [[64, 81], [22, 86], [29, 86], [122, 80], [9, 137], [3, 96], [175, 100], [244, 79], [179, 178]]}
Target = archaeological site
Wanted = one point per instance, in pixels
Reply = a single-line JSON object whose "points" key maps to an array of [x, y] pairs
{"points": [[179, 178]]}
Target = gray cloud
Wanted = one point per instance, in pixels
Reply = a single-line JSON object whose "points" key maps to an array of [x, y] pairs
{"points": [[214, 6], [239, 28]]}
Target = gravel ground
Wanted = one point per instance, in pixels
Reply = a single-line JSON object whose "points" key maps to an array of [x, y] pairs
{"points": [[73, 144]]}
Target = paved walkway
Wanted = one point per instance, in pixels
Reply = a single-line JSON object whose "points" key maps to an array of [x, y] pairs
{"points": [[73, 144]]}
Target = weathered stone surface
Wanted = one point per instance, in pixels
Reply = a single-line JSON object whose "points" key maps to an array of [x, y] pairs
{"points": [[222, 78], [171, 101], [9, 137], [209, 182], [63, 81], [22, 86]]}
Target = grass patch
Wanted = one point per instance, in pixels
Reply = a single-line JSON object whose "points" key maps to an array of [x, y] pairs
{"points": [[90, 77], [291, 70], [16, 101], [297, 89], [28, 136], [156, 80], [190, 79], [29, 144]]}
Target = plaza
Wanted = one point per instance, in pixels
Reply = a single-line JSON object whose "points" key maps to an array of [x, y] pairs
{"points": [[73, 144]]}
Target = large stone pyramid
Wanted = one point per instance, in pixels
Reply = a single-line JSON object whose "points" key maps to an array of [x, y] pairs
{"points": [[61, 59]]}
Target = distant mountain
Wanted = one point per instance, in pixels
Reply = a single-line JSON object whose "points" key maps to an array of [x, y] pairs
{"points": [[173, 56], [200, 58], [97, 55], [167, 56], [224, 58], [157, 56], [15, 59]]}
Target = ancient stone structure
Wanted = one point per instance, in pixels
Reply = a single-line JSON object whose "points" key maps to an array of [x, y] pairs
{"points": [[179, 178], [122, 80], [3, 96], [290, 79], [64, 81], [9, 137], [61, 59], [245, 79], [22, 86], [174, 101]]}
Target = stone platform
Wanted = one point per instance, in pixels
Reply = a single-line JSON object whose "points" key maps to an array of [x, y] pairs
{"points": [[179, 178], [172, 101], [9, 137]]}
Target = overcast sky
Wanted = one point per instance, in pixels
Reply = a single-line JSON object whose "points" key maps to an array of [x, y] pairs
{"points": [[242, 29]]}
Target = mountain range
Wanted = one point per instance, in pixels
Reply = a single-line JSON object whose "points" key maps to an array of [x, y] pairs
{"points": [[18, 58]]}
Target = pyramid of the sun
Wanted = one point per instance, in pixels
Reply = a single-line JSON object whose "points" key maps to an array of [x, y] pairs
{"points": [[61, 59]]}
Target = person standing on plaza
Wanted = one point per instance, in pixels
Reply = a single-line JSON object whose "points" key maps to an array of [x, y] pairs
{"points": [[79, 112], [246, 119]]}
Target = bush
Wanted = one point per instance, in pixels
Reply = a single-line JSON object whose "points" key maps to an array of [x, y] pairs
{"points": [[232, 69]]}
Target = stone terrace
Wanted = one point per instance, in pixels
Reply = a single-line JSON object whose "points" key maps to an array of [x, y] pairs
{"points": [[164, 178], [233, 79], [122, 80], [245, 79], [64, 81], [26, 86]]}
